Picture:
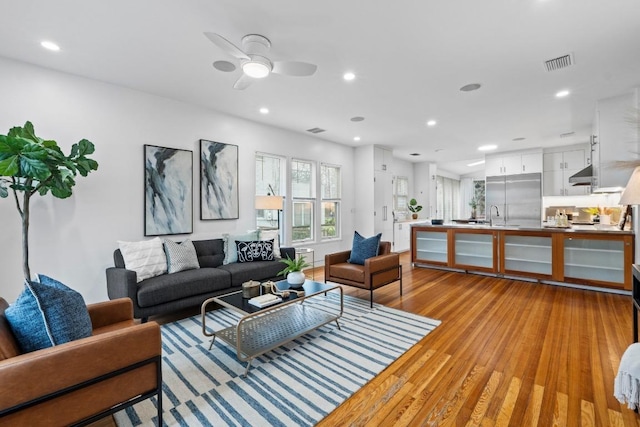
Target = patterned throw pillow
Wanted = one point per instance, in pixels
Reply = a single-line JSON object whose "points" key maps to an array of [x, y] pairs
{"points": [[146, 258], [364, 248], [48, 313], [261, 250], [180, 256], [230, 252], [272, 234]]}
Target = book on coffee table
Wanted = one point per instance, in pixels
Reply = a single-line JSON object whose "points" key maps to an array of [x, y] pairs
{"points": [[265, 300]]}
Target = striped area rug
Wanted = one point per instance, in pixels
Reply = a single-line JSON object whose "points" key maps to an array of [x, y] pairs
{"points": [[295, 385]]}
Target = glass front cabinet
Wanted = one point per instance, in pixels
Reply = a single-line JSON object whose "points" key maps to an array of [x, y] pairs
{"points": [[602, 259]]}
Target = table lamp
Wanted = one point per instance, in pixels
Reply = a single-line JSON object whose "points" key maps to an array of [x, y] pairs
{"points": [[630, 195]]}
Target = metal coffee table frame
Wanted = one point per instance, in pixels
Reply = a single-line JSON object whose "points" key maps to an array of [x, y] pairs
{"points": [[263, 329]]}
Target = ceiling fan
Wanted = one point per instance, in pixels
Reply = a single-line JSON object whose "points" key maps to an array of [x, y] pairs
{"points": [[254, 62]]}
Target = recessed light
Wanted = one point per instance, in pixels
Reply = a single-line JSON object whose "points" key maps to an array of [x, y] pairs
{"points": [[264, 110], [487, 147], [562, 94], [479, 162], [470, 87], [356, 138], [349, 76], [50, 46], [431, 123]]}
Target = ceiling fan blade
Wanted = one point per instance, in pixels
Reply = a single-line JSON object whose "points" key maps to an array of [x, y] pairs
{"points": [[294, 68], [226, 45], [243, 82]]}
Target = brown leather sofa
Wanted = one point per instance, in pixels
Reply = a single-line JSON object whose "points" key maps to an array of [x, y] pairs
{"points": [[81, 381], [377, 271]]}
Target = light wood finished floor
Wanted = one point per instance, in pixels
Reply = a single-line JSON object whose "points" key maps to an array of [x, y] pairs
{"points": [[508, 353]]}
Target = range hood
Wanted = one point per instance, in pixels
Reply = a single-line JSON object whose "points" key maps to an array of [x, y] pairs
{"points": [[582, 177]]}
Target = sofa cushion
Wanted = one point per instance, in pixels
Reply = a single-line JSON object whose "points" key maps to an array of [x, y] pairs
{"points": [[48, 313], [354, 272], [146, 257], [180, 256], [171, 287], [261, 250], [364, 248], [210, 252], [257, 270], [230, 251], [272, 234]]}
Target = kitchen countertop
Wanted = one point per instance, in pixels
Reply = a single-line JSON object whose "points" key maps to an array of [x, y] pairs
{"points": [[607, 229]]}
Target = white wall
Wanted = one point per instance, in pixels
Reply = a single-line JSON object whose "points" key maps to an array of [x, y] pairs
{"points": [[73, 239]]}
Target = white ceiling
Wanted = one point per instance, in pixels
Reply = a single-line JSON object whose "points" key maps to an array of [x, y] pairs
{"points": [[410, 57]]}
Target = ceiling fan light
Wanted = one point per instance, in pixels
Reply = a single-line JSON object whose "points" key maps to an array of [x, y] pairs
{"points": [[254, 69]]}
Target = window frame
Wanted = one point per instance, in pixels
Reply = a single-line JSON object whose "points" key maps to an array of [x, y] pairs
{"points": [[336, 199], [311, 199]]}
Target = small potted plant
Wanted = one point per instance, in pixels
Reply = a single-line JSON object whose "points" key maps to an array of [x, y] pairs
{"points": [[293, 270], [414, 207], [474, 205]]}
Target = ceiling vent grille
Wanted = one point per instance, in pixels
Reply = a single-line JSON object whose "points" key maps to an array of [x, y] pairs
{"points": [[559, 62], [315, 130]]}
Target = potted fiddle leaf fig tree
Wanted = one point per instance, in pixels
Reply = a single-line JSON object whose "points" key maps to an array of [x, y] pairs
{"points": [[30, 165]]}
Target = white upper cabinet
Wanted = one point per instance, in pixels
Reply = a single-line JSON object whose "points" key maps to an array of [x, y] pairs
{"points": [[559, 166], [382, 159], [513, 164], [531, 163]]}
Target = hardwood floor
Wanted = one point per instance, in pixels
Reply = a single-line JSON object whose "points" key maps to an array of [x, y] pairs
{"points": [[507, 353]]}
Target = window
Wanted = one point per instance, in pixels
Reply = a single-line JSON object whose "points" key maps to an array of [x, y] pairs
{"points": [[447, 198], [302, 192], [478, 195], [401, 194], [268, 173], [330, 185]]}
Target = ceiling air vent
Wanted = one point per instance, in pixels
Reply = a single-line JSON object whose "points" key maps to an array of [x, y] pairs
{"points": [[559, 62], [315, 130]]}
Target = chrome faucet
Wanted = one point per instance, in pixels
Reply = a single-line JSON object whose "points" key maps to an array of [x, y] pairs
{"points": [[491, 214]]}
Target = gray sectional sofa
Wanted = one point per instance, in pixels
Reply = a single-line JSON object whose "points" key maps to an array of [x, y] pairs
{"points": [[170, 292]]}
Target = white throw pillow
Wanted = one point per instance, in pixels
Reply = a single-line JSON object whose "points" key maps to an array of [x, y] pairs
{"points": [[272, 234], [230, 251], [180, 256], [146, 257]]}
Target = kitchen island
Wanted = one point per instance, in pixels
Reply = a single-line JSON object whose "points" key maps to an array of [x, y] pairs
{"points": [[595, 256]]}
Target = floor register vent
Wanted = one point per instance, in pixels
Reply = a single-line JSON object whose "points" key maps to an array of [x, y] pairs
{"points": [[559, 62]]}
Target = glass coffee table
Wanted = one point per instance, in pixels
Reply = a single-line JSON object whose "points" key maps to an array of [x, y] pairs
{"points": [[263, 329]]}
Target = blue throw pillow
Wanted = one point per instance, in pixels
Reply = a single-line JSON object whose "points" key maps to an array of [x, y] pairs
{"points": [[364, 248], [48, 313]]}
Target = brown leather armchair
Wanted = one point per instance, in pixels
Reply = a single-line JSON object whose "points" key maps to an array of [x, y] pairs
{"points": [[377, 271], [81, 381]]}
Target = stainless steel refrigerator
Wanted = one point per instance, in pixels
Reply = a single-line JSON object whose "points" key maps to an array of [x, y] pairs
{"points": [[518, 198]]}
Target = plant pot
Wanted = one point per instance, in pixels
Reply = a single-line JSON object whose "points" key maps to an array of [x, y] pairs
{"points": [[296, 279], [414, 216]]}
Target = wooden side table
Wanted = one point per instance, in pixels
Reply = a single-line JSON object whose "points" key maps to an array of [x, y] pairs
{"points": [[306, 251]]}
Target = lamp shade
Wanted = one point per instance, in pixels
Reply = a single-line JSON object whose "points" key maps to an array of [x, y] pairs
{"points": [[631, 194], [269, 202]]}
